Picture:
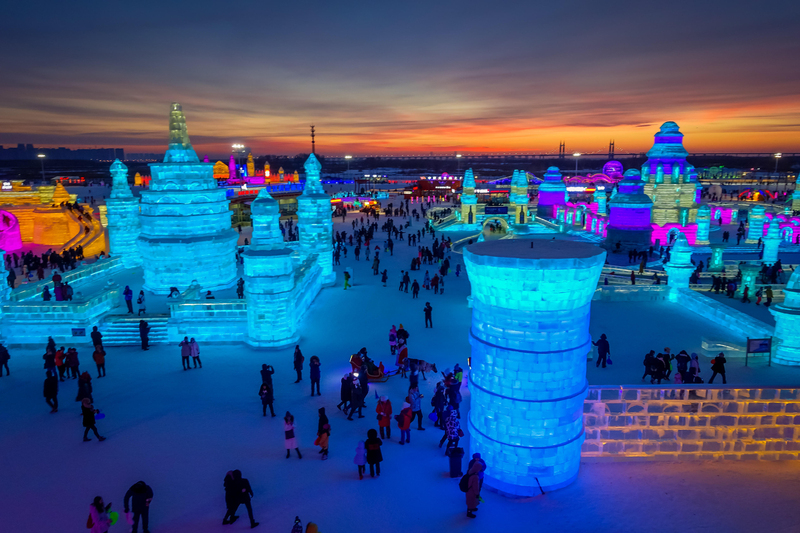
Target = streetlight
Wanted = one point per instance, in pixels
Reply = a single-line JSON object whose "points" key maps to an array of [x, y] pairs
{"points": [[458, 157], [576, 155], [777, 158], [41, 158]]}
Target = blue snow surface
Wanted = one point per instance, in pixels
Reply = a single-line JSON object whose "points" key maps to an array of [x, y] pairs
{"points": [[181, 431]]}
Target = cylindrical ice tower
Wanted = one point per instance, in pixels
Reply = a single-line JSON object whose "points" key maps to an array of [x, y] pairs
{"points": [[530, 337]]}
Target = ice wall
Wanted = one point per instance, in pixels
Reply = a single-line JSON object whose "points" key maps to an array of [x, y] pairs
{"points": [[530, 337]]}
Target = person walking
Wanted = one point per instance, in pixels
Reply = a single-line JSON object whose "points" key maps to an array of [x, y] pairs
{"points": [[194, 351], [384, 410], [267, 399], [428, 314], [51, 391], [73, 363], [384, 277], [144, 334], [404, 424], [290, 441], [230, 499], [603, 350], [139, 496], [768, 294], [298, 363], [140, 301], [356, 397], [314, 373], [360, 459], [88, 411], [415, 399], [99, 521], [474, 488], [97, 337], [4, 357], [323, 433], [186, 353], [374, 455], [242, 494], [128, 295], [99, 357], [718, 367], [344, 394]]}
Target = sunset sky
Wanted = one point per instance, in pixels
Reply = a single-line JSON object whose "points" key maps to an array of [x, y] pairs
{"points": [[402, 77]]}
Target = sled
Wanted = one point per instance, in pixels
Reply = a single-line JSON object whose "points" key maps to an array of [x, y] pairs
{"points": [[380, 377]]}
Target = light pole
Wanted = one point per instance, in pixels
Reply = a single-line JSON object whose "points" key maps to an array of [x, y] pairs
{"points": [[576, 155], [348, 158], [41, 158], [458, 158]]}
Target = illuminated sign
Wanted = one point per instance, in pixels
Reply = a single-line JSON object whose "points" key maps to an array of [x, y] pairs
{"points": [[7, 186]]}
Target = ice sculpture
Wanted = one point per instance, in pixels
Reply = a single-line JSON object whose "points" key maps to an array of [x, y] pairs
{"points": [[186, 224], [314, 220], [530, 337], [715, 262], [755, 228], [787, 323], [629, 217], [518, 198], [251, 166], [771, 243], [602, 201], [749, 278], [703, 224], [552, 192], [269, 278], [122, 212], [469, 200], [680, 267]]}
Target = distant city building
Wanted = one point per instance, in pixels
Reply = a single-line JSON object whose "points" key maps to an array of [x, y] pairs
{"points": [[144, 156], [28, 151]]}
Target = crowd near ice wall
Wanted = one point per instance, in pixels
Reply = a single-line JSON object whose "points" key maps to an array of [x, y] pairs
{"points": [[674, 423], [529, 337]]}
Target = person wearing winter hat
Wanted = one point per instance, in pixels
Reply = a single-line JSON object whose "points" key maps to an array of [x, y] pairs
{"points": [[88, 411], [476, 457], [298, 525], [384, 410], [360, 459], [374, 455], [404, 423]]}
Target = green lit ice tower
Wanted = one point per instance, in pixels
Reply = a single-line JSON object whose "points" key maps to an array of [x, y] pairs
{"points": [[186, 224], [123, 218], [314, 221]]}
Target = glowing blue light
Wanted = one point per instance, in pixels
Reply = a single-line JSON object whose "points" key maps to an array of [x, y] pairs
{"points": [[756, 220], [787, 323], [123, 218]]}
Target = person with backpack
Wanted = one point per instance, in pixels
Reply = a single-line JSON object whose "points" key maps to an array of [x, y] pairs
{"points": [[404, 424], [476, 457], [298, 363], [98, 521], [718, 367], [603, 350], [267, 399], [139, 495], [374, 455], [471, 485], [314, 373], [360, 459]]}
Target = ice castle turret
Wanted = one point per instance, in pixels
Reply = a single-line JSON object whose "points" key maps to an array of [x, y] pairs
{"points": [[787, 323], [518, 199], [680, 267], [186, 223], [269, 278], [469, 200], [755, 220], [123, 218], [771, 243], [602, 201], [530, 338], [314, 221], [629, 217], [552, 192]]}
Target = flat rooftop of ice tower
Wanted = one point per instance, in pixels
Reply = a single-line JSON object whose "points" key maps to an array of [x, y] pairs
{"points": [[535, 249]]}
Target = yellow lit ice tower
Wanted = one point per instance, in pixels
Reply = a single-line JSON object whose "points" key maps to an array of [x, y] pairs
{"points": [[186, 224]]}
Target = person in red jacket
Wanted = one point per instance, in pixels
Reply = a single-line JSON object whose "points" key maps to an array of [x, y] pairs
{"points": [[384, 410], [404, 423]]}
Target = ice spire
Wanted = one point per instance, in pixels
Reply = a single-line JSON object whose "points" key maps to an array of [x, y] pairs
{"points": [[469, 179], [313, 184], [266, 213], [119, 177], [180, 148]]}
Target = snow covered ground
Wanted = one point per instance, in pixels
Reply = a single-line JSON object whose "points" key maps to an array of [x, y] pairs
{"points": [[180, 431]]}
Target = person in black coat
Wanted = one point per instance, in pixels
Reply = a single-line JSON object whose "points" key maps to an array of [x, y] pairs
{"points": [[144, 334], [242, 494], [298, 363], [344, 393], [139, 495], [97, 337], [230, 499], [356, 398], [88, 411], [267, 398], [374, 455], [428, 314], [603, 350], [51, 391], [314, 373], [718, 367], [266, 374]]}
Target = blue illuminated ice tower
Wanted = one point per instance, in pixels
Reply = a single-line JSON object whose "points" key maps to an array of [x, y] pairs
{"points": [[269, 278], [469, 200], [123, 218], [787, 323], [314, 221], [530, 338], [186, 224]]}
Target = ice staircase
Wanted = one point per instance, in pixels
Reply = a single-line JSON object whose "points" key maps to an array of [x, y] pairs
{"points": [[124, 330]]}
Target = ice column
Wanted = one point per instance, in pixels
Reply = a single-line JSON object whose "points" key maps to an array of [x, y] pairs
{"points": [[715, 262], [469, 200], [122, 212], [756, 229], [530, 337], [771, 243], [268, 278], [186, 223], [749, 277], [703, 224], [602, 201], [314, 221], [787, 323], [680, 267]]}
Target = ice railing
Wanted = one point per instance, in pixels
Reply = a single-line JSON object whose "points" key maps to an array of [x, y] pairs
{"points": [[82, 274], [692, 422], [33, 311]]}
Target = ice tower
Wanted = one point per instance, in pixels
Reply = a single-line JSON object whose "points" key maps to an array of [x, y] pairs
{"points": [[680, 267], [703, 224], [268, 278], [186, 224], [552, 191], [123, 218], [787, 323], [771, 243], [314, 221], [755, 224], [629, 217], [530, 338], [469, 200], [518, 199]]}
